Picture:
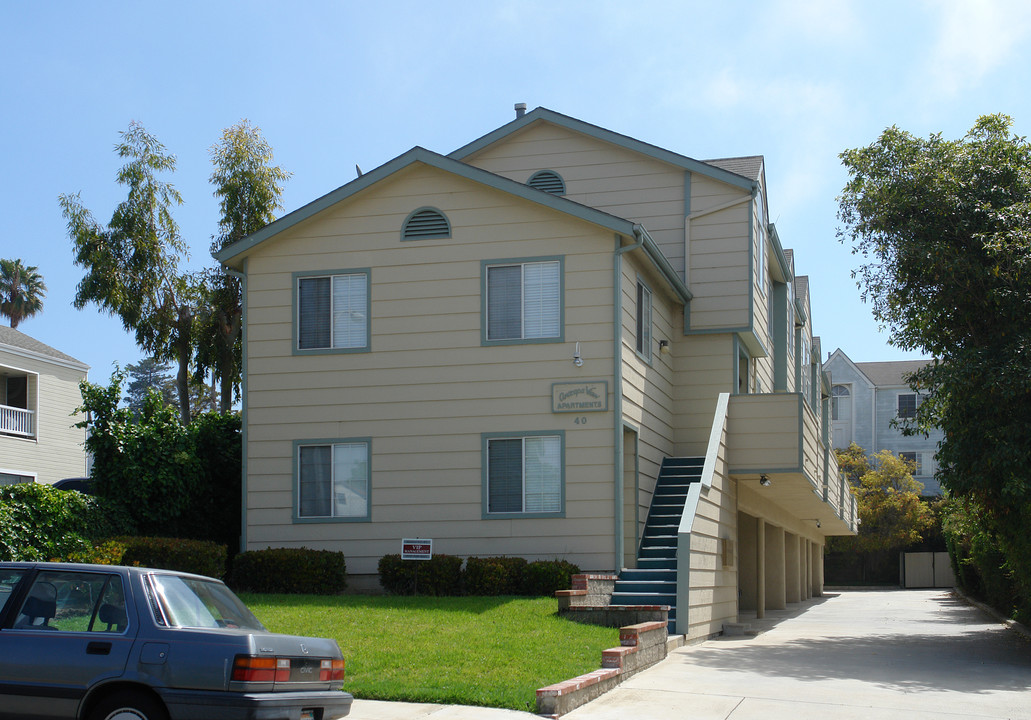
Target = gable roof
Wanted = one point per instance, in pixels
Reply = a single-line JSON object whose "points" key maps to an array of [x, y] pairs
{"points": [[750, 166], [618, 225], [541, 114], [890, 373], [21, 344]]}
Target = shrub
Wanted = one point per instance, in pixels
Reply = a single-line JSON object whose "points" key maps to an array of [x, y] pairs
{"points": [[494, 575], [193, 556], [40, 522], [440, 575], [109, 552], [544, 577], [290, 570]]}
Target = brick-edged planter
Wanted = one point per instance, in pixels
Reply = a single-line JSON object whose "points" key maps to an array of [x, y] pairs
{"points": [[640, 645]]}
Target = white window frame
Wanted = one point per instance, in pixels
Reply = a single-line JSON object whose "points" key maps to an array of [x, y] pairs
{"points": [[918, 459], [360, 312], [552, 497], [343, 493], [550, 317]]}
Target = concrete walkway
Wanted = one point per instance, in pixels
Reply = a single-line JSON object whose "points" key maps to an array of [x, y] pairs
{"points": [[915, 654], [912, 654]]}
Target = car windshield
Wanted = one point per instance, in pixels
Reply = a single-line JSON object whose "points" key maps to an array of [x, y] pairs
{"points": [[196, 603]]}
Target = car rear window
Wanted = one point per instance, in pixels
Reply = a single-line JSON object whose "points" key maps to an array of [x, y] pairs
{"points": [[196, 603]]}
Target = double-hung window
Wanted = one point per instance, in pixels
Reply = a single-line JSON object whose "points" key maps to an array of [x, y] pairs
{"points": [[523, 474], [644, 321], [332, 311], [907, 405], [522, 300], [918, 462], [332, 480]]}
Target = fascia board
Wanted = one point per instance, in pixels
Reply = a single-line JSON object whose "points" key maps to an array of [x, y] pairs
{"points": [[427, 157], [778, 252], [600, 133]]}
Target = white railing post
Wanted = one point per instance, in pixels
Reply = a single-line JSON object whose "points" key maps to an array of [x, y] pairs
{"points": [[16, 421]]}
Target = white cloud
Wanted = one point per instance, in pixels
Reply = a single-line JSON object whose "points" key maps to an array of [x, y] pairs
{"points": [[974, 39]]}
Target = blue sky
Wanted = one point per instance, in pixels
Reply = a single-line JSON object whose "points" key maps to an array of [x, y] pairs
{"points": [[334, 84]]}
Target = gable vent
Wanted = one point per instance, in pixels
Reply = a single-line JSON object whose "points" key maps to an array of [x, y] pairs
{"points": [[549, 181], [426, 224]]}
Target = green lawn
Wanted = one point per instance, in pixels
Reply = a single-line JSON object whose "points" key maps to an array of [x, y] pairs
{"points": [[486, 651]]}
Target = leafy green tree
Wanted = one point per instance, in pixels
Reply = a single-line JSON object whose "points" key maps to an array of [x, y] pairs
{"points": [[249, 189], [944, 227], [132, 263], [21, 291]]}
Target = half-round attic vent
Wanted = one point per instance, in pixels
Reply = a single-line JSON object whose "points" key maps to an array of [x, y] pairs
{"points": [[548, 181], [426, 224]]}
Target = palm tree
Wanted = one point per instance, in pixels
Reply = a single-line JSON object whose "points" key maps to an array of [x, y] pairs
{"points": [[21, 291]]}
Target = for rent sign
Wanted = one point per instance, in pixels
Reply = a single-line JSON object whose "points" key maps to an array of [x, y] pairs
{"points": [[416, 549]]}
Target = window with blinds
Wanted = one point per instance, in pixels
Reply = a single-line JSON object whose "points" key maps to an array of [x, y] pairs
{"points": [[333, 480], [333, 312], [524, 474], [524, 301]]}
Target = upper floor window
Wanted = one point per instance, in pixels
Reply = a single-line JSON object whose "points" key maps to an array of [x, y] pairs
{"points": [[841, 403], [333, 480], [426, 224], [523, 473], [917, 459], [549, 181], [523, 300], [644, 321], [333, 311], [907, 405]]}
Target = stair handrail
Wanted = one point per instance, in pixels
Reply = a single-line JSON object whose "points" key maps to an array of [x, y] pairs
{"points": [[694, 494]]}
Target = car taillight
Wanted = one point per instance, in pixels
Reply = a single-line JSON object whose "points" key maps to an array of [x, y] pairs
{"points": [[247, 668], [331, 670]]}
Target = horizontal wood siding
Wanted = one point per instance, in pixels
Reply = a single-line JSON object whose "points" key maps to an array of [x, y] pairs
{"points": [[718, 269], [647, 387], [58, 449], [703, 369], [600, 175], [427, 389], [764, 431]]}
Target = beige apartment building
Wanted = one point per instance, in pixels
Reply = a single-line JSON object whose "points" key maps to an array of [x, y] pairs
{"points": [[555, 342], [39, 392]]}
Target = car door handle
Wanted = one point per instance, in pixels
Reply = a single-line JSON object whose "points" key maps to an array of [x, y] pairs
{"points": [[98, 648]]}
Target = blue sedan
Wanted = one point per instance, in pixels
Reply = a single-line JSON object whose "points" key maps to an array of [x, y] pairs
{"points": [[98, 642]]}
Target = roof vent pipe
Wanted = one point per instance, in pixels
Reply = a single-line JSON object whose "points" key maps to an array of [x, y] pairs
{"points": [[520, 109]]}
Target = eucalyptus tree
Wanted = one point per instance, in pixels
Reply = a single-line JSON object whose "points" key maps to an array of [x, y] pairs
{"points": [[249, 189], [132, 263]]}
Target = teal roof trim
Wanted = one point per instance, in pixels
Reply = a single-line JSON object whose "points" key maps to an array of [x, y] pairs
{"points": [[432, 159], [604, 135], [778, 252]]}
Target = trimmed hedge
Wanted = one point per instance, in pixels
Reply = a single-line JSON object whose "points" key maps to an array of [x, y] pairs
{"points": [[440, 575], [444, 575], [290, 570], [544, 577], [201, 557], [494, 575]]}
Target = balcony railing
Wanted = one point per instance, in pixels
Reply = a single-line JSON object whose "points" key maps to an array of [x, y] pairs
{"points": [[16, 421]]}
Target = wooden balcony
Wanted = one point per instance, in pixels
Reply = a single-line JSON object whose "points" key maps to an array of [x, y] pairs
{"points": [[16, 421], [778, 435]]}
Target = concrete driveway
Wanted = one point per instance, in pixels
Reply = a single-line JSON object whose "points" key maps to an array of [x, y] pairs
{"points": [[910, 654]]}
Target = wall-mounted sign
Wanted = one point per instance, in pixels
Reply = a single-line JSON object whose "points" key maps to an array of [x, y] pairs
{"points": [[580, 397], [416, 549]]}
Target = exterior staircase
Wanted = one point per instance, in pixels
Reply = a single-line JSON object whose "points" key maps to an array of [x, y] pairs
{"points": [[654, 580]]}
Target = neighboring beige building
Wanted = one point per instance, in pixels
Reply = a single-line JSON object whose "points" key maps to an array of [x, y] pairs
{"points": [[555, 342], [39, 392]]}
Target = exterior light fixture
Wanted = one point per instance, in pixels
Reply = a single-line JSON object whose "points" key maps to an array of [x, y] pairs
{"points": [[577, 358], [764, 480], [664, 347]]}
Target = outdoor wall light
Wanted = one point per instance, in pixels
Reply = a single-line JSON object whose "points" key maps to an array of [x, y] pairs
{"points": [[577, 358], [764, 480], [664, 347]]}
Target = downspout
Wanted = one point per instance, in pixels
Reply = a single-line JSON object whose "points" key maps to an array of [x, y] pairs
{"points": [[243, 404], [617, 383]]}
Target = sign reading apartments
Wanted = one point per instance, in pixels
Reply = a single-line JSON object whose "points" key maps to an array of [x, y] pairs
{"points": [[580, 397]]}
